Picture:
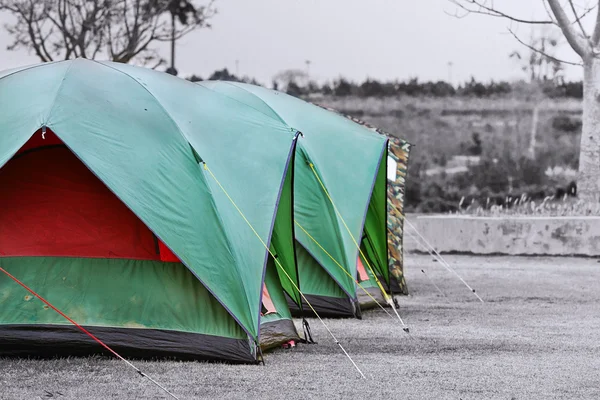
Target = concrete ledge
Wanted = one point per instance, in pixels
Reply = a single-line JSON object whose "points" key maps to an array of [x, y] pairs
{"points": [[507, 235]]}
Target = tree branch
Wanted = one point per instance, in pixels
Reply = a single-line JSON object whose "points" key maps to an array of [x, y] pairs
{"points": [[481, 7], [530, 47], [596, 34], [42, 39], [576, 42], [585, 13], [122, 29], [578, 20], [32, 21], [61, 24]]}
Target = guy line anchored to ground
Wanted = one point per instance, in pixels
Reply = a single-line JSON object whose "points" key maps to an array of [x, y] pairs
{"points": [[387, 298], [437, 256], [278, 263], [405, 328]]}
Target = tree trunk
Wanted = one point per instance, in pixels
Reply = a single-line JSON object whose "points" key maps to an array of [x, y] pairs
{"points": [[588, 182], [534, 125]]}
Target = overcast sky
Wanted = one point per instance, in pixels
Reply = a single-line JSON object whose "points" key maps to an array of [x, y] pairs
{"points": [[383, 39]]}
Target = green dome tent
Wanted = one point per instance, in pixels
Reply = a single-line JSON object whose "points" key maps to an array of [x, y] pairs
{"points": [[340, 200], [397, 168], [117, 207]]}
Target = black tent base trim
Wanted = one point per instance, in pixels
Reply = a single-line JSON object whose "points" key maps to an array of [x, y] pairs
{"points": [[366, 302], [397, 289], [276, 333], [327, 307], [55, 341]]}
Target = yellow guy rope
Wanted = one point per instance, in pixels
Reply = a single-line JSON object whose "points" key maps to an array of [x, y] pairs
{"points": [[278, 263], [385, 295], [342, 268]]}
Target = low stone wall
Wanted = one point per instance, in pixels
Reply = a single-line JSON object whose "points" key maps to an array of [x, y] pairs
{"points": [[499, 235]]}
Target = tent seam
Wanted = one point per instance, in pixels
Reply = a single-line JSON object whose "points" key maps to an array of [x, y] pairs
{"points": [[278, 119], [293, 172], [58, 90], [32, 67], [290, 156]]}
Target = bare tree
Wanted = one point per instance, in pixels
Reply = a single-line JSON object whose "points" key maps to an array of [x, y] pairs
{"points": [[568, 17], [121, 30]]}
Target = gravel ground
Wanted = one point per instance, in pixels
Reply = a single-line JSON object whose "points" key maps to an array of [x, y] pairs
{"points": [[537, 336]]}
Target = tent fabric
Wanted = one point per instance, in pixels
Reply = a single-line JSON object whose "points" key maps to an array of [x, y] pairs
{"points": [[56, 207], [168, 312], [146, 136], [346, 157], [375, 228], [369, 292], [65, 212], [119, 297], [277, 326], [398, 158], [372, 300], [321, 290], [326, 307], [362, 272], [42, 212], [282, 241], [399, 153], [268, 305]]}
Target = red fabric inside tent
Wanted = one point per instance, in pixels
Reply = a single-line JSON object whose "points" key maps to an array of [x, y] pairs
{"points": [[52, 205], [362, 272], [166, 254], [267, 302]]}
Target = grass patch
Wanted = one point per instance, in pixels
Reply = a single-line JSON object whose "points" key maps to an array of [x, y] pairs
{"points": [[522, 206]]}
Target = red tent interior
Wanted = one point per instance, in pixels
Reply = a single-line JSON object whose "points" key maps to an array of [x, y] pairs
{"points": [[362, 272], [52, 205]]}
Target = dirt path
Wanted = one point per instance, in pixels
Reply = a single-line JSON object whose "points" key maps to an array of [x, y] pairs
{"points": [[536, 337]]}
